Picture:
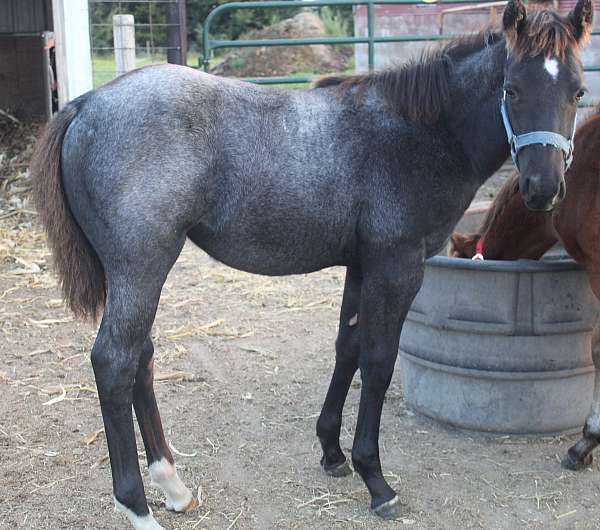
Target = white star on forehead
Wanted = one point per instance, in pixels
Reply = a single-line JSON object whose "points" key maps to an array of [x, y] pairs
{"points": [[551, 66]]}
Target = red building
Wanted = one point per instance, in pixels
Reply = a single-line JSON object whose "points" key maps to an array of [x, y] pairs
{"points": [[448, 19]]}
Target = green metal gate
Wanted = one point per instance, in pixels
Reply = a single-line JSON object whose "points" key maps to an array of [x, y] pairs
{"points": [[209, 44]]}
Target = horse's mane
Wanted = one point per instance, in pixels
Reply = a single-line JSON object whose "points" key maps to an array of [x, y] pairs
{"points": [[419, 89]]}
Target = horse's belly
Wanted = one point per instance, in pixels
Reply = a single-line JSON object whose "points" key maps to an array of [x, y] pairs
{"points": [[279, 256]]}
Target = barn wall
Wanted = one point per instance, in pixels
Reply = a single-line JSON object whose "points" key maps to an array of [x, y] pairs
{"points": [[25, 16], [22, 75]]}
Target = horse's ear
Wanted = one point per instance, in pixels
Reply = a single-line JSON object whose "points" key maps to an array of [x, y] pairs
{"points": [[458, 245], [462, 245], [581, 19], [515, 16]]}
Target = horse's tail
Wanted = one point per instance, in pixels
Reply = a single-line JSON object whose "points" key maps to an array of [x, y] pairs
{"points": [[79, 269]]}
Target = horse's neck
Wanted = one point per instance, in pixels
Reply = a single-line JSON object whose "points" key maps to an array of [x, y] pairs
{"points": [[474, 119]]}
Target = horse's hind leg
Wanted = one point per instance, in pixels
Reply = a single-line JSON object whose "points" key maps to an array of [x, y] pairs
{"points": [[134, 282], [579, 455], [346, 363], [160, 460]]}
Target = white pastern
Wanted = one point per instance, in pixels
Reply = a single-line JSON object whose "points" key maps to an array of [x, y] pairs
{"points": [[551, 66], [164, 475], [145, 522]]}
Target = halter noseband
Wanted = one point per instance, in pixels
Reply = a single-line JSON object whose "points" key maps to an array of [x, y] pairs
{"points": [[518, 141]]}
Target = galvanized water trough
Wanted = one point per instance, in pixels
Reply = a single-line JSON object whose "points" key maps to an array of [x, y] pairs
{"points": [[501, 346]]}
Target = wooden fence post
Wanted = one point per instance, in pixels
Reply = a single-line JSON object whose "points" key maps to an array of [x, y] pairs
{"points": [[73, 56], [124, 39]]}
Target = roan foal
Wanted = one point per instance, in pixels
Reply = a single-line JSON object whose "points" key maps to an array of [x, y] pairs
{"points": [[370, 173]]}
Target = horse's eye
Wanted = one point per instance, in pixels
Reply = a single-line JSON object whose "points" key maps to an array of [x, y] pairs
{"points": [[510, 93], [579, 95]]}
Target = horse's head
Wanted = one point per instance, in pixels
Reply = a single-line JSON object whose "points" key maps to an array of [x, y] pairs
{"points": [[543, 81], [462, 245]]}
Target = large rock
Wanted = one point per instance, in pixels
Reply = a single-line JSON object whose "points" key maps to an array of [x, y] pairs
{"points": [[285, 60]]}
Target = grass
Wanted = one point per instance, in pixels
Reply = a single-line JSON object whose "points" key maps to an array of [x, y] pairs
{"points": [[103, 65]]}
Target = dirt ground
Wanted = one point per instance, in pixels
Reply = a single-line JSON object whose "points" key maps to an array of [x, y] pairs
{"points": [[243, 363]]}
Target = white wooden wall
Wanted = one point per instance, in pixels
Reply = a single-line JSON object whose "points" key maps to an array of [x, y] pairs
{"points": [[73, 53]]}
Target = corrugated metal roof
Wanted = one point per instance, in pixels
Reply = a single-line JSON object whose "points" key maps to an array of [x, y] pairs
{"points": [[25, 16]]}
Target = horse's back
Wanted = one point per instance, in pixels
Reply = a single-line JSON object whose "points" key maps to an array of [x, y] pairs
{"points": [[169, 150]]}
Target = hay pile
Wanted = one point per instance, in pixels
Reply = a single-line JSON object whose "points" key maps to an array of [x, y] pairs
{"points": [[16, 145], [286, 60], [23, 252]]}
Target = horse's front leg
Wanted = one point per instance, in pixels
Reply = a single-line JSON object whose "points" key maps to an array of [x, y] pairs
{"points": [[579, 455], [390, 282]]}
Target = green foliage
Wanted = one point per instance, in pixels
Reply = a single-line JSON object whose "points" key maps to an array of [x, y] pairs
{"points": [[230, 25], [101, 16], [338, 22]]}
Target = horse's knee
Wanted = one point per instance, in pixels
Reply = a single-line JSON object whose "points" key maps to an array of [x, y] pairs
{"points": [[376, 372]]}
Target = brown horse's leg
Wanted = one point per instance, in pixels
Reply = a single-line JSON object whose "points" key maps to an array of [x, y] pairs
{"points": [[580, 455], [346, 363], [160, 460]]}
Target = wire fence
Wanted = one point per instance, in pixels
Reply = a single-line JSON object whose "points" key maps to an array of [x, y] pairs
{"points": [[160, 33]]}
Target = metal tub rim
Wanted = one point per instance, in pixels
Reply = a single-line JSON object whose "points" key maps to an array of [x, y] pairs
{"points": [[547, 264]]}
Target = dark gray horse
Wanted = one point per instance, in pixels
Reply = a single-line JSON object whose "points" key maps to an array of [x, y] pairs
{"points": [[371, 173]]}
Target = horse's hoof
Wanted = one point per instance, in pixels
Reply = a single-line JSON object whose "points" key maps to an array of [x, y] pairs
{"points": [[190, 506], [338, 470], [389, 510], [573, 463]]}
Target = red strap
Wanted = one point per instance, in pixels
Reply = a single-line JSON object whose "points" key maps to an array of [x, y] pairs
{"points": [[479, 247], [478, 251]]}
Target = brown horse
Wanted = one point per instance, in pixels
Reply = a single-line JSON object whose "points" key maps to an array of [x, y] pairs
{"points": [[511, 231]]}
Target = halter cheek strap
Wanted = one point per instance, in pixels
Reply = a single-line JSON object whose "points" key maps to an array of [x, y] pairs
{"points": [[518, 141]]}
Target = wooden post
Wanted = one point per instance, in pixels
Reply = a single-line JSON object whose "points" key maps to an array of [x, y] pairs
{"points": [[174, 43], [176, 32], [183, 31], [124, 39], [73, 54]]}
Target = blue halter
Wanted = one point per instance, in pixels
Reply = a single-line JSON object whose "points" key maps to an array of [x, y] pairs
{"points": [[518, 141]]}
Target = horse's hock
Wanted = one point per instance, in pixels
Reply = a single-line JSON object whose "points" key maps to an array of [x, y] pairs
{"points": [[501, 346]]}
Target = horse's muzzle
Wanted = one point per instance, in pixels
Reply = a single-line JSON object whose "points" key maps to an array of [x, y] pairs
{"points": [[538, 195]]}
